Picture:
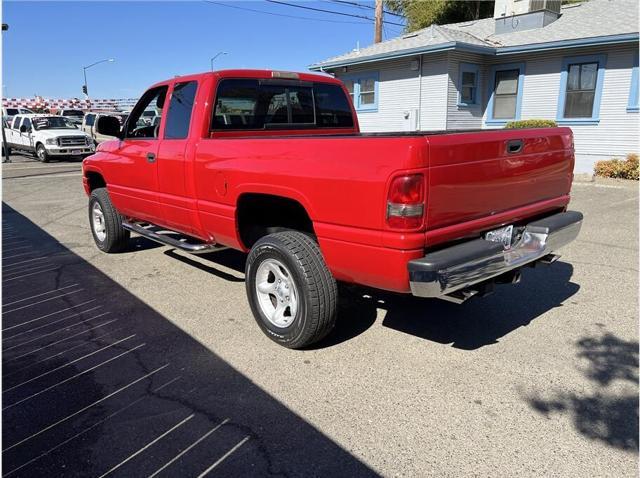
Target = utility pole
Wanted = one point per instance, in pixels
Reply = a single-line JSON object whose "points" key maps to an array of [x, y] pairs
{"points": [[5, 147], [377, 36]]}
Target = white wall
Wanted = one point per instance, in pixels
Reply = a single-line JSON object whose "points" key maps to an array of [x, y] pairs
{"points": [[398, 94]]}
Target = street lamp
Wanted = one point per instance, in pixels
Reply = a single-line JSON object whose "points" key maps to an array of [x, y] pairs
{"points": [[216, 56], [85, 90]]}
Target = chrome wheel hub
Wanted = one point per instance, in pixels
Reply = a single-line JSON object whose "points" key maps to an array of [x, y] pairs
{"points": [[99, 227], [277, 293]]}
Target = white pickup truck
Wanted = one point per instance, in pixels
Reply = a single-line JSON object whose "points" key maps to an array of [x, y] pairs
{"points": [[48, 136]]}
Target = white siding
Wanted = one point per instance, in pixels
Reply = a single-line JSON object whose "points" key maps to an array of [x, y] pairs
{"points": [[465, 117], [398, 95], [434, 92], [617, 132]]}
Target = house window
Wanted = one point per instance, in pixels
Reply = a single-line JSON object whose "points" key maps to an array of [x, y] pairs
{"points": [[581, 80], [363, 88], [581, 90], [468, 84], [632, 106], [505, 100]]}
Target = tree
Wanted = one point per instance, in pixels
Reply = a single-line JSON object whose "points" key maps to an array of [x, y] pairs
{"points": [[422, 13]]}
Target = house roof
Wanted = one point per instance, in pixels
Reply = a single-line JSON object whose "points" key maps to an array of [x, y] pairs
{"points": [[607, 20]]}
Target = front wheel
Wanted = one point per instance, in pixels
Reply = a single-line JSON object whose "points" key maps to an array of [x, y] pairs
{"points": [[292, 294], [106, 223], [41, 153]]}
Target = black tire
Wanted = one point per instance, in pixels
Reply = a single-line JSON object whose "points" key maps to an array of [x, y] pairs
{"points": [[316, 288], [41, 153], [116, 237]]}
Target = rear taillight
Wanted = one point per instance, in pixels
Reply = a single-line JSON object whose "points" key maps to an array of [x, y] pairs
{"points": [[405, 203]]}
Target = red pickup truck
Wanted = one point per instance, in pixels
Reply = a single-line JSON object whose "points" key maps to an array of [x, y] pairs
{"points": [[273, 164]]}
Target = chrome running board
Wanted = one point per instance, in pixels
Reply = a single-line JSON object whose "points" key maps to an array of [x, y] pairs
{"points": [[182, 244]]}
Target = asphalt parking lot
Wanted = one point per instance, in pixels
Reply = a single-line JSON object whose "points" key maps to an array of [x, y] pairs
{"points": [[149, 363]]}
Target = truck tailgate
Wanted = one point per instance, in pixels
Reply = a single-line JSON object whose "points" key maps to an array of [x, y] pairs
{"points": [[478, 175]]}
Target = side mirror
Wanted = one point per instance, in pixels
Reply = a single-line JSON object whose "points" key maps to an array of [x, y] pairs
{"points": [[108, 126], [23, 129]]}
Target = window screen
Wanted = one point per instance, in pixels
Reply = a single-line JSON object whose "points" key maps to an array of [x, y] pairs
{"points": [[180, 107], [253, 105]]}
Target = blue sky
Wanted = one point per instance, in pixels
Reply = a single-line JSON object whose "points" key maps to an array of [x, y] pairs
{"points": [[48, 43]]}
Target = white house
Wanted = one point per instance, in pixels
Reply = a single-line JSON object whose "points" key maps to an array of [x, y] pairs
{"points": [[576, 64]]}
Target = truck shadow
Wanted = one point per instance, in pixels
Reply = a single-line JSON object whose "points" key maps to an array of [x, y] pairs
{"points": [[469, 326], [607, 415], [96, 381]]}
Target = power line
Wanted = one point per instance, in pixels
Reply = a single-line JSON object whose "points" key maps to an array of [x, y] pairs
{"points": [[365, 7], [329, 11], [282, 14]]}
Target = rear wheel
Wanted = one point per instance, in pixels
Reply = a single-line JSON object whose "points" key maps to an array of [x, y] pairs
{"points": [[106, 223], [41, 153], [292, 294]]}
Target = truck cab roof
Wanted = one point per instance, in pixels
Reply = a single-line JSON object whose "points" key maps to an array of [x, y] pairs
{"points": [[258, 74]]}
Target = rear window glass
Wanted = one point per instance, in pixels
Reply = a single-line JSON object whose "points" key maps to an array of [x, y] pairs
{"points": [[246, 104]]}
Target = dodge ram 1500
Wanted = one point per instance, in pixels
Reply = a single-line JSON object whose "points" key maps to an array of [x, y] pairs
{"points": [[273, 164]]}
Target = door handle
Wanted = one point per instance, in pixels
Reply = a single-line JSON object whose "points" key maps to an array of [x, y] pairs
{"points": [[151, 158], [514, 146]]}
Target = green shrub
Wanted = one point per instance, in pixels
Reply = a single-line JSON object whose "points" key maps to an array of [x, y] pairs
{"points": [[618, 168], [532, 123]]}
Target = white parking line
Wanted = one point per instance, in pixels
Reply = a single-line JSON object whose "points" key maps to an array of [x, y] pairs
{"points": [[16, 255], [224, 457], [38, 295], [49, 324], [26, 275], [195, 443], [48, 315], [29, 268], [71, 378], [151, 443], [58, 341], [46, 176], [11, 249], [68, 363], [62, 420], [84, 344], [22, 262], [99, 422], [39, 166], [42, 301], [66, 327]]}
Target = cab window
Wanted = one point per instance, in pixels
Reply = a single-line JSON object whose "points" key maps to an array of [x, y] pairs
{"points": [[89, 119], [180, 107], [139, 126], [27, 123], [16, 122]]}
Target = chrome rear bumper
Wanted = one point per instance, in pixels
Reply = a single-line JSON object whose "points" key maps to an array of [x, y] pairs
{"points": [[462, 266]]}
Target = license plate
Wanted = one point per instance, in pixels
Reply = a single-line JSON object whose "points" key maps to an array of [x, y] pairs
{"points": [[76, 152], [502, 235]]}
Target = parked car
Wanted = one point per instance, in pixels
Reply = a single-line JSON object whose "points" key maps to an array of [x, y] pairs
{"points": [[89, 122], [292, 182], [48, 136], [148, 116], [9, 113], [75, 116]]}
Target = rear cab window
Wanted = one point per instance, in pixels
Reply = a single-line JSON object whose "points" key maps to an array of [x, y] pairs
{"points": [[253, 105]]}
